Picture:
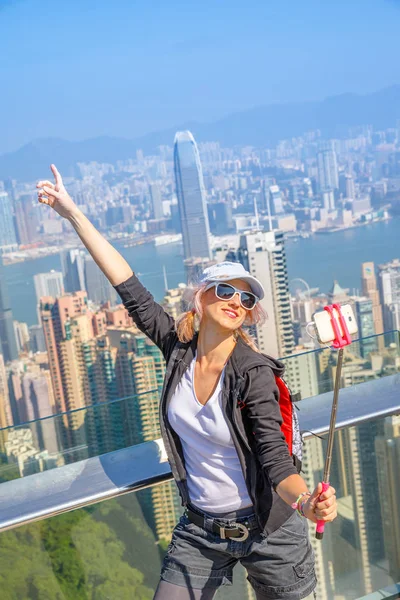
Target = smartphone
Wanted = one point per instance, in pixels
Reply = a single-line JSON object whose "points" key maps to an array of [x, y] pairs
{"points": [[323, 323]]}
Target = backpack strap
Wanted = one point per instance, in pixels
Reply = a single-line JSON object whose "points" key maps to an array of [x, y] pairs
{"points": [[286, 406]]}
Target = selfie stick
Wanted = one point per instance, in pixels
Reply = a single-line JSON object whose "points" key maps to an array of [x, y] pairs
{"points": [[340, 341]]}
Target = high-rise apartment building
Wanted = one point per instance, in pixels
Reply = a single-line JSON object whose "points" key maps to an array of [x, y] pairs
{"points": [[55, 315], [263, 254], [387, 446], [371, 291], [328, 175], [389, 289], [7, 231], [156, 200], [26, 220], [173, 301], [328, 199], [8, 344], [191, 195], [37, 396], [364, 314], [36, 339], [275, 200], [21, 332], [48, 284], [350, 188], [6, 418], [73, 267]]}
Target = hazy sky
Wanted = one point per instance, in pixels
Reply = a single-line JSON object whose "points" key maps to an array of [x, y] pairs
{"points": [[81, 68]]}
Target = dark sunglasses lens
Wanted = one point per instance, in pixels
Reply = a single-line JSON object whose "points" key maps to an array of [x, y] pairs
{"points": [[248, 300], [225, 291]]}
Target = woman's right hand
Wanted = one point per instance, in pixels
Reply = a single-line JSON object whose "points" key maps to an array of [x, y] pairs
{"points": [[55, 195]]}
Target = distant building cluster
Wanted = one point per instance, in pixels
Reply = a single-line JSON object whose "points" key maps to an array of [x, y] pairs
{"points": [[302, 185]]}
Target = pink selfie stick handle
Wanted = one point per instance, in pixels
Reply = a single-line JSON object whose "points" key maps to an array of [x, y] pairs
{"points": [[321, 524]]}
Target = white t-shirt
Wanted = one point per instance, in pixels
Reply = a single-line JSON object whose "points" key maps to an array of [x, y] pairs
{"points": [[214, 475]]}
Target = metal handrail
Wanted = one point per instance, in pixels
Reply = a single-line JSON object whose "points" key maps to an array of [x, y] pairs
{"points": [[89, 481]]}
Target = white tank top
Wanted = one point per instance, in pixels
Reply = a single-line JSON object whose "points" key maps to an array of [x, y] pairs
{"points": [[214, 475]]}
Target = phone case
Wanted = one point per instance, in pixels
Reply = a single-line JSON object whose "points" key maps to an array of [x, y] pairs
{"points": [[323, 324]]}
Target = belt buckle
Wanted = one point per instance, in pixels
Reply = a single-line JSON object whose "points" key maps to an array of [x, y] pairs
{"points": [[239, 526]]}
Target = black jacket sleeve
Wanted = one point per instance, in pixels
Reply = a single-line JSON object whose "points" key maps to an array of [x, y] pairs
{"points": [[148, 315], [265, 422]]}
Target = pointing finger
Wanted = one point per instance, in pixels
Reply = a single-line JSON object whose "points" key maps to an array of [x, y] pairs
{"points": [[56, 174]]}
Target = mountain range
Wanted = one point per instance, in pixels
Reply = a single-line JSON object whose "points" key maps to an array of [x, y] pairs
{"points": [[261, 126]]}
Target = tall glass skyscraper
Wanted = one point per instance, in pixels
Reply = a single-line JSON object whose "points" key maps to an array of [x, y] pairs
{"points": [[191, 197], [328, 175]]}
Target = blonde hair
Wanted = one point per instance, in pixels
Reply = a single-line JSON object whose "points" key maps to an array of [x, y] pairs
{"points": [[188, 323]]}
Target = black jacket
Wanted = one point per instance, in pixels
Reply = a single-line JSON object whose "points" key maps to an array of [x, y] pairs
{"points": [[255, 430]]}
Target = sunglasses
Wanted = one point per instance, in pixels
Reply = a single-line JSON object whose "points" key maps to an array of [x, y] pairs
{"points": [[226, 291]]}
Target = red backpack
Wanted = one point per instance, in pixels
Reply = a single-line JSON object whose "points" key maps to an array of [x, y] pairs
{"points": [[290, 426]]}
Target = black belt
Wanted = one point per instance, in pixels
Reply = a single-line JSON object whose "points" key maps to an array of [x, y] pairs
{"points": [[239, 531]]}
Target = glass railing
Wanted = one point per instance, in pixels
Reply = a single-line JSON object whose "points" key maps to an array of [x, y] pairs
{"points": [[114, 549], [66, 438], [312, 373], [100, 428]]}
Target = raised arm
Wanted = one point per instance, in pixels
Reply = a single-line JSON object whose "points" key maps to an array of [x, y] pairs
{"points": [[110, 261], [149, 316]]}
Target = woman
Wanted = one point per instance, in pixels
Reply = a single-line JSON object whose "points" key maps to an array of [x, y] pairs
{"points": [[235, 476]]}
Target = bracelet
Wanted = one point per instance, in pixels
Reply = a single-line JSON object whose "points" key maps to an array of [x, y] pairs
{"points": [[298, 505]]}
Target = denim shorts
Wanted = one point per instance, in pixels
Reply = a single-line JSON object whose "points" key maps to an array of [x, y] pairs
{"points": [[280, 565]]}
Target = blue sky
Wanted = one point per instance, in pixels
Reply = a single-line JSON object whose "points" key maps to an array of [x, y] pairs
{"points": [[81, 68]]}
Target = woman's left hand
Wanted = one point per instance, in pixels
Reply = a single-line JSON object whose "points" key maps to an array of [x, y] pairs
{"points": [[321, 506]]}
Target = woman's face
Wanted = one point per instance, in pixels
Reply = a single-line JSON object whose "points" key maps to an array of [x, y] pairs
{"points": [[227, 314]]}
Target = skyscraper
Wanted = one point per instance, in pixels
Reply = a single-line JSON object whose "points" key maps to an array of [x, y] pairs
{"points": [[8, 344], [6, 418], [328, 175], [48, 284], [370, 290], [98, 288], [38, 403], [365, 321], [276, 204], [191, 197], [36, 337], [7, 231], [55, 317], [26, 220], [156, 200], [263, 254], [73, 266], [387, 447], [389, 289]]}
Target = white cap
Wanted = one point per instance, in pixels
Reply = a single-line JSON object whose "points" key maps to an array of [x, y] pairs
{"points": [[225, 271]]}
